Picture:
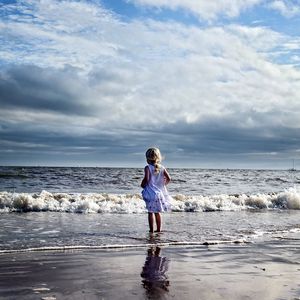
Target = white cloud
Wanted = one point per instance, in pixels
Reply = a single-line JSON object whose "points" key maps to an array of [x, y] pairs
{"points": [[59, 32], [261, 39], [144, 74], [286, 8], [296, 58], [207, 10], [130, 64]]}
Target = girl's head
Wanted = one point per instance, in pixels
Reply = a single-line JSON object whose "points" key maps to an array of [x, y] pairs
{"points": [[153, 157]]}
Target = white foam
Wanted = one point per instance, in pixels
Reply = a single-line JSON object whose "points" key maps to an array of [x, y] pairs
{"points": [[125, 246], [133, 203]]}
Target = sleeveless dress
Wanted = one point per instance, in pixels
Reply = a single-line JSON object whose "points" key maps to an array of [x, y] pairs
{"points": [[155, 194]]}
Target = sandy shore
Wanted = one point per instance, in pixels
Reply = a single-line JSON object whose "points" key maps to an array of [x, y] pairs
{"points": [[253, 271]]}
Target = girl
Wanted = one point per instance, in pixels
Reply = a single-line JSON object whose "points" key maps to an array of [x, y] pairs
{"points": [[154, 192]]}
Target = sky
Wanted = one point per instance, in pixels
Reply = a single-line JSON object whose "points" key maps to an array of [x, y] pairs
{"points": [[213, 84]]}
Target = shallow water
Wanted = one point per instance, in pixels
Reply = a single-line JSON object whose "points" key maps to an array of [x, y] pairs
{"points": [[231, 234], [97, 207], [42, 230]]}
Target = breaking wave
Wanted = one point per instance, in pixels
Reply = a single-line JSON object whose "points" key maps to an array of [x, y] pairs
{"points": [[133, 203]]}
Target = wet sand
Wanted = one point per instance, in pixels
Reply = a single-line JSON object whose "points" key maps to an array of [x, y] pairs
{"points": [[251, 271]]}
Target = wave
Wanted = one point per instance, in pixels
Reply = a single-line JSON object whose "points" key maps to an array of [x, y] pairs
{"points": [[122, 247], [12, 175], [133, 203]]}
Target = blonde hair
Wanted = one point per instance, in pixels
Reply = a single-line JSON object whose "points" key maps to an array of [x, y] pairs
{"points": [[153, 157]]}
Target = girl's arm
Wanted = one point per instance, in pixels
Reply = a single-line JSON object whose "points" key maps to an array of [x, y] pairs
{"points": [[146, 177], [167, 177]]}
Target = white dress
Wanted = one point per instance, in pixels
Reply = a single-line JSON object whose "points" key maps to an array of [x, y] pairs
{"points": [[155, 194]]}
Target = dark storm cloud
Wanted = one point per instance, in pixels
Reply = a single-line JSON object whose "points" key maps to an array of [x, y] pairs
{"points": [[26, 88], [182, 143], [97, 96], [202, 138], [224, 137], [41, 89]]}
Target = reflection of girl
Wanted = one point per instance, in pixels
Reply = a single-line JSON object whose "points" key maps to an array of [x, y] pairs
{"points": [[155, 280]]}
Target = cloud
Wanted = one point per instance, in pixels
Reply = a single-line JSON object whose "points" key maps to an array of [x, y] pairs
{"points": [[99, 85], [54, 32], [288, 9], [206, 10], [34, 88]]}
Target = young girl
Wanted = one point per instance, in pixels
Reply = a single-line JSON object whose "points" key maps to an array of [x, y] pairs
{"points": [[154, 192]]}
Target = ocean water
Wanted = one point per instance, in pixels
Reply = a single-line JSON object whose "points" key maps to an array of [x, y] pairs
{"points": [[76, 208]]}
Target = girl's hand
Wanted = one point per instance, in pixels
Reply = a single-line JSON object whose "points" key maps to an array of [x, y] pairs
{"points": [[167, 177], [146, 177]]}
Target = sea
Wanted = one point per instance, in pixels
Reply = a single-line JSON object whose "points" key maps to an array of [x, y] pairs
{"points": [[53, 208]]}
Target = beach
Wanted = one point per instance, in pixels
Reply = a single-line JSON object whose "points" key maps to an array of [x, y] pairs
{"points": [[150, 149], [222, 239], [236, 271]]}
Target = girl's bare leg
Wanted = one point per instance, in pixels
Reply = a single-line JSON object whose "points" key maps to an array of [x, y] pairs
{"points": [[150, 220], [158, 222]]}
